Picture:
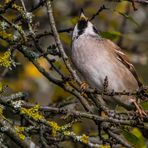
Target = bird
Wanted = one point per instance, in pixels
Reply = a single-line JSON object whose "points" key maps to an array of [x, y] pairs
{"points": [[96, 58]]}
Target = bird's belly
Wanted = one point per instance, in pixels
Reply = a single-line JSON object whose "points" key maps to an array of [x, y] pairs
{"points": [[94, 69], [95, 74]]}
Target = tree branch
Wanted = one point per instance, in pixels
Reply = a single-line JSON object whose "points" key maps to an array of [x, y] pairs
{"points": [[7, 128]]}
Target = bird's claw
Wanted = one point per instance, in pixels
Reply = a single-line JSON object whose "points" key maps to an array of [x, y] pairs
{"points": [[139, 110], [84, 86]]}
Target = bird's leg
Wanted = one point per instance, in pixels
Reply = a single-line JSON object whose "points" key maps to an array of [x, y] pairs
{"points": [[139, 110]]}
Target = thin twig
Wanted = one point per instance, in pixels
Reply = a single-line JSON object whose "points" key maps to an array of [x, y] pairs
{"points": [[58, 42], [86, 115], [98, 12], [119, 139], [9, 130], [7, 6]]}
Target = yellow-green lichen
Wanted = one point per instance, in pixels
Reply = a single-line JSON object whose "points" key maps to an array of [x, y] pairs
{"points": [[54, 126], [1, 113], [17, 7], [1, 110], [67, 133], [5, 59], [84, 138], [19, 130], [104, 146], [32, 112], [5, 35]]}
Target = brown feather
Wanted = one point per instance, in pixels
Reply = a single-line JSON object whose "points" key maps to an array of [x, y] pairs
{"points": [[124, 59]]}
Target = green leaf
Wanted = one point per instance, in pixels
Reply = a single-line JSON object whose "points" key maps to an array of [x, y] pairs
{"points": [[144, 105], [1, 87], [111, 35], [137, 132], [130, 137], [135, 138], [129, 18]]}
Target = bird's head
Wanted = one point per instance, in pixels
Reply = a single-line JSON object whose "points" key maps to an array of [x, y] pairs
{"points": [[84, 27]]}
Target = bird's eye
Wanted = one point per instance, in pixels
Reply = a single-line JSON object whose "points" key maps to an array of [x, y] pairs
{"points": [[95, 30]]}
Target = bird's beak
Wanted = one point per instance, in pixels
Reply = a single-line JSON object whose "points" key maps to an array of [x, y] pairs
{"points": [[82, 16]]}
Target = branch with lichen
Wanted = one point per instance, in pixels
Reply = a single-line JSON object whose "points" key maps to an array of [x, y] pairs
{"points": [[123, 118], [14, 133], [34, 114]]}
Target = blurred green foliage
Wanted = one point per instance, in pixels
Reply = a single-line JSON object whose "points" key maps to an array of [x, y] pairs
{"points": [[135, 138]]}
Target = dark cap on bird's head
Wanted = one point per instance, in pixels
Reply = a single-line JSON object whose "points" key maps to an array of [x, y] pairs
{"points": [[84, 27], [82, 22]]}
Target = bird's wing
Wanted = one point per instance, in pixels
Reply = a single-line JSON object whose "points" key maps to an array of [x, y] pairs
{"points": [[124, 59]]}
